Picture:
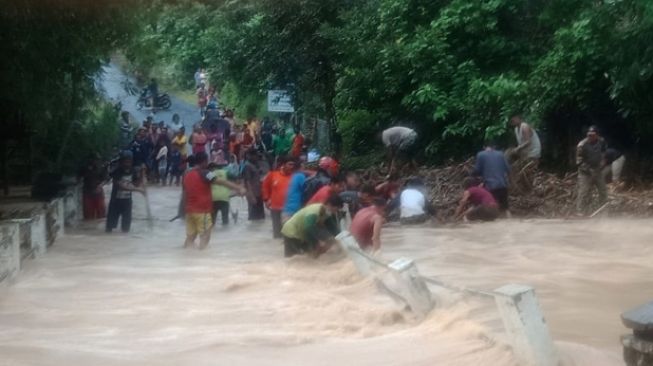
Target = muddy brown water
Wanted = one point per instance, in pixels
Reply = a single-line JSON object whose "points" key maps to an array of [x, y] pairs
{"points": [[140, 299]]}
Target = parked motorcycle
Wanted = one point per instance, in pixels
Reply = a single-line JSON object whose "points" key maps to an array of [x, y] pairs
{"points": [[162, 102]]}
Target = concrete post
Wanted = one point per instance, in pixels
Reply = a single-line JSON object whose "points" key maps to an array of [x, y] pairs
{"points": [[72, 206], [39, 234], [638, 346], [350, 246], [525, 325], [9, 250], [414, 289], [59, 217]]}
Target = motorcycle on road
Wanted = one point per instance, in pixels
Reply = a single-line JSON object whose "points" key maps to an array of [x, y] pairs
{"points": [[162, 101]]}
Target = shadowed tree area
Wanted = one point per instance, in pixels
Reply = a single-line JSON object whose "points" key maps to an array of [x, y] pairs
{"points": [[52, 113], [453, 69]]}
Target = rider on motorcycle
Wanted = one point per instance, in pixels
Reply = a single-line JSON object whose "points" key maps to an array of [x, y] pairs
{"points": [[153, 89]]}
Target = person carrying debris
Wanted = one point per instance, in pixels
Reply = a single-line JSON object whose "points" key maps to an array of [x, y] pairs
{"points": [[398, 140], [526, 156], [312, 229], [477, 203], [528, 141], [590, 160]]}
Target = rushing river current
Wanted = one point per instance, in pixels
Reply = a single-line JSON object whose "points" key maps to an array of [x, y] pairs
{"points": [[140, 299]]}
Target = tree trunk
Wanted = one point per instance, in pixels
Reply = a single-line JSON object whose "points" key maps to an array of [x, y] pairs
{"points": [[71, 120]]}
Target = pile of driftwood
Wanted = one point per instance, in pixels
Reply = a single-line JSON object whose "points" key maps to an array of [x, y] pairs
{"points": [[533, 193]]}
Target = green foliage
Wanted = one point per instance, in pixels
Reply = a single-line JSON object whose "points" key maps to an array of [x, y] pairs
{"points": [[358, 130], [53, 51], [454, 69]]}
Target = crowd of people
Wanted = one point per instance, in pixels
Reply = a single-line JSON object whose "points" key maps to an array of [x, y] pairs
{"points": [[269, 165]]}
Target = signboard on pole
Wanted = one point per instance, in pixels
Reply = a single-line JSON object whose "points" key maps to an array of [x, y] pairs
{"points": [[280, 101]]}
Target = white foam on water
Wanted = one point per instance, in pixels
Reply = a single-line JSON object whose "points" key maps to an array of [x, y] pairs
{"points": [[135, 299]]}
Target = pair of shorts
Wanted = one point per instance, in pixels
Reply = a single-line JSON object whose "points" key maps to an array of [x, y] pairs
{"points": [[501, 196], [483, 213], [198, 223]]}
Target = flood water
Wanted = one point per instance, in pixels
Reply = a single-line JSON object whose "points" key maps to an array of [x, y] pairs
{"points": [[140, 299]]}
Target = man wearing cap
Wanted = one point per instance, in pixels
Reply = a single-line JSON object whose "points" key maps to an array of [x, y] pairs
{"points": [[125, 181], [590, 160]]}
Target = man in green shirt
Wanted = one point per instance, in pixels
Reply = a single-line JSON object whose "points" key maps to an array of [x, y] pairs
{"points": [[281, 143], [312, 229], [220, 194]]}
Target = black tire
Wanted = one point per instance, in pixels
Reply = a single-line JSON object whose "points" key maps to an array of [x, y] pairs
{"points": [[165, 102]]}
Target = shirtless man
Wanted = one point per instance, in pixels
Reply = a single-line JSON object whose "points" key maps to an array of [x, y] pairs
{"points": [[367, 224]]}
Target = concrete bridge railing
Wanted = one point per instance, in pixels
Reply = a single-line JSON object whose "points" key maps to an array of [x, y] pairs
{"points": [[517, 304], [28, 229]]}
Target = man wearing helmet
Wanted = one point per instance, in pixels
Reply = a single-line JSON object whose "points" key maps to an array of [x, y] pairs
{"points": [[327, 168]]}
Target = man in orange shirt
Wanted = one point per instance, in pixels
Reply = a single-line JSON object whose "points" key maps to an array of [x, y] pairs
{"points": [[275, 189], [335, 187]]}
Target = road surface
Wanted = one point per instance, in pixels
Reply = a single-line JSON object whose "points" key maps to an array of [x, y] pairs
{"points": [[112, 82]]}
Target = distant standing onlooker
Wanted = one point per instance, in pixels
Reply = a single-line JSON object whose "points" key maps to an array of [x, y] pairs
{"points": [[493, 167], [528, 141], [175, 166], [198, 140], [590, 161], [297, 143], [202, 99], [125, 181], [162, 161], [252, 176]]}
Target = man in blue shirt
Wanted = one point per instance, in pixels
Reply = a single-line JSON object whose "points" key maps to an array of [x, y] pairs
{"points": [[492, 166]]}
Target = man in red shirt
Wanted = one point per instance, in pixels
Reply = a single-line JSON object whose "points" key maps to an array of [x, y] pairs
{"points": [[367, 224], [274, 190], [297, 144], [477, 203], [335, 187], [198, 201]]}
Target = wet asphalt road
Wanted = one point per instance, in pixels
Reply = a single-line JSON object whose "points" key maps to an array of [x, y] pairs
{"points": [[114, 83]]}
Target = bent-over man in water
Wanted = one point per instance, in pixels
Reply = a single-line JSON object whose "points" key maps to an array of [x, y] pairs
{"points": [[477, 203], [312, 229], [367, 224]]}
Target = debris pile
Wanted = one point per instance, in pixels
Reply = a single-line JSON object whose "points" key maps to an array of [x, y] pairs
{"points": [[533, 193]]}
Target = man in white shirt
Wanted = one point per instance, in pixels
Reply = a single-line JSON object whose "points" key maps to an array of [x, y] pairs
{"points": [[414, 207], [528, 142]]}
